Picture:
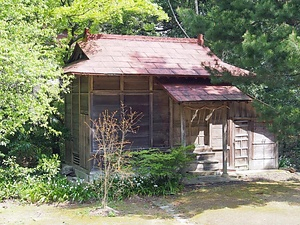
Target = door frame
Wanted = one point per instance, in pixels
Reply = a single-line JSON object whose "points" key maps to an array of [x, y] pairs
{"points": [[232, 156]]}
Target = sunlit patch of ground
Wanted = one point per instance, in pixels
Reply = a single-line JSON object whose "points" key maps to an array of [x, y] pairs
{"points": [[260, 201]]}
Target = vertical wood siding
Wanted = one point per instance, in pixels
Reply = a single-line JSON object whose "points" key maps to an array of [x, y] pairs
{"points": [[165, 123], [77, 121], [141, 95]]}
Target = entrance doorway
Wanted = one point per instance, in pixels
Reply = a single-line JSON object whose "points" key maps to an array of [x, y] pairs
{"points": [[241, 145]]}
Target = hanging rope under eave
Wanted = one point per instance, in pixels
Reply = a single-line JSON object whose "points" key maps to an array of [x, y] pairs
{"points": [[199, 110], [209, 115]]}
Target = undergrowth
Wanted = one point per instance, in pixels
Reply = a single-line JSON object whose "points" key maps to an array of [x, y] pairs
{"points": [[41, 184], [155, 173]]}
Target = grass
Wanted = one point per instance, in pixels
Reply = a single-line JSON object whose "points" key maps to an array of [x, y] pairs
{"points": [[197, 199], [192, 203]]}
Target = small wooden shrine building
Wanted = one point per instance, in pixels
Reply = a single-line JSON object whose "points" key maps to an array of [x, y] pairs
{"points": [[166, 79]]}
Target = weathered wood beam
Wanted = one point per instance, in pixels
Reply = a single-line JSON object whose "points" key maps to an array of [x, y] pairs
{"points": [[171, 124], [182, 126], [224, 140], [151, 116]]}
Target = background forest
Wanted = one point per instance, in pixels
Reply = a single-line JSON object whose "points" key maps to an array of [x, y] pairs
{"points": [[36, 38]]}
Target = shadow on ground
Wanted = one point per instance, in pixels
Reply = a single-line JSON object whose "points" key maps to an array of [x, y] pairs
{"points": [[196, 199], [211, 194], [196, 203]]}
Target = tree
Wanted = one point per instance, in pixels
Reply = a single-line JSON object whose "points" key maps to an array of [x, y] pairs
{"points": [[30, 74], [263, 37], [108, 16], [174, 26], [111, 130], [31, 55]]}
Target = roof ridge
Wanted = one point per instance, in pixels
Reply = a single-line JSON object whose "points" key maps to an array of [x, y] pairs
{"points": [[90, 37], [149, 38]]}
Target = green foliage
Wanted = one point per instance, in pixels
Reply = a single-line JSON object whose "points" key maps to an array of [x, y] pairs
{"points": [[156, 173], [263, 37], [31, 57], [289, 154], [284, 162], [160, 172], [41, 184], [33, 141], [49, 165], [29, 66], [108, 16], [174, 9]]}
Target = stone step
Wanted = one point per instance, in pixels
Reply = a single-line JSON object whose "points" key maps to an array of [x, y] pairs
{"points": [[205, 156], [205, 173], [203, 165], [203, 149]]}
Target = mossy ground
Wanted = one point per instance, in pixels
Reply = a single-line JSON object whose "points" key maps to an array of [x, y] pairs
{"points": [[226, 203]]}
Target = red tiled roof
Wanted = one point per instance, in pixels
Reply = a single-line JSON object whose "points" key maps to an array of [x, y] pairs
{"points": [[197, 92], [144, 55]]}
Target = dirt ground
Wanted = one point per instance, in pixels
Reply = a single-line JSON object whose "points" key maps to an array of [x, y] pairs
{"points": [[271, 197]]}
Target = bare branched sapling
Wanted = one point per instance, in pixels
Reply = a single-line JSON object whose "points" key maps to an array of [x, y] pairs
{"points": [[110, 131]]}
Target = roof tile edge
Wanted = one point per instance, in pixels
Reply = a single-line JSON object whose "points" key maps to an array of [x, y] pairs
{"points": [[90, 37]]}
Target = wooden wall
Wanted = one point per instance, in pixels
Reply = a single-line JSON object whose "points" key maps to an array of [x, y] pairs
{"points": [[165, 123], [250, 144], [143, 95], [265, 149], [77, 119]]}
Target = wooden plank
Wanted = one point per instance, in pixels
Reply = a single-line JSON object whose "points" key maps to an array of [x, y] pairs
{"points": [[84, 141], [151, 83], [182, 126], [151, 119], [84, 103], [189, 126], [136, 83], [104, 102], [140, 104], [231, 142], [68, 122], [81, 142], [160, 118], [84, 84], [106, 83], [75, 121], [122, 83], [171, 123], [224, 138], [75, 85], [241, 144], [122, 90]]}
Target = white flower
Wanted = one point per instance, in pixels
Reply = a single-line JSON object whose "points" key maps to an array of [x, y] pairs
{"points": [[155, 186]]}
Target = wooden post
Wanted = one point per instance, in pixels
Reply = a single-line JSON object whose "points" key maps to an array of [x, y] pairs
{"points": [[182, 126], [224, 139], [151, 115], [171, 123]]}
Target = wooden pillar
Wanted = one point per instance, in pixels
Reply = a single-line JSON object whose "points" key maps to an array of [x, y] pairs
{"points": [[171, 123], [231, 141], [151, 116], [224, 139], [182, 126], [121, 89]]}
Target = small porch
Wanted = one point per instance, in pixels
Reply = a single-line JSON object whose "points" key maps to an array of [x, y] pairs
{"points": [[222, 124]]}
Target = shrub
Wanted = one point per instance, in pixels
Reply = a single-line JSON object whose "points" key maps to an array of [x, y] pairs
{"points": [[155, 173], [160, 172], [289, 152], [42, 183]]}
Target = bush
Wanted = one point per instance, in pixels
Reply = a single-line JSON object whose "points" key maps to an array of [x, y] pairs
{"points": [[155, 173], [289, 152], [42, 183], [160, 172]]}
